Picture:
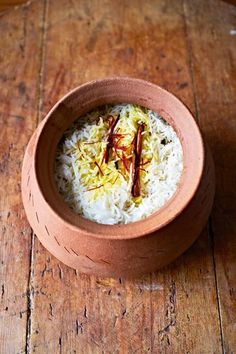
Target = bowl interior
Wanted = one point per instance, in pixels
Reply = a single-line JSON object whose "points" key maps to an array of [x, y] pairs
{"points": [[111, 91]]}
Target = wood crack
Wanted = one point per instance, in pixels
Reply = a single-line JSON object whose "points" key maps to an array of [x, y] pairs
{"points": [[190, 63], [151, 316], [170, 315], [211, 237], [31, 263], [197, 109], [79, 327], [2, 292], [42, 61], [60, 344], [30, 295]]}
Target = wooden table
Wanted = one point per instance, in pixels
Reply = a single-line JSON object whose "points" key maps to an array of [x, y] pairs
{"points": [[49, 47]]}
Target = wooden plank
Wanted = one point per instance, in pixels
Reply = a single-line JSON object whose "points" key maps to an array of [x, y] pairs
{"points": [[173, 310], [210, 28], [19, 41]]}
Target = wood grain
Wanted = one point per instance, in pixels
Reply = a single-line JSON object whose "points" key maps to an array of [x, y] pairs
{"points": [[214, 71], [19, 41], [7, 4], [74, 312], [184, 46]]}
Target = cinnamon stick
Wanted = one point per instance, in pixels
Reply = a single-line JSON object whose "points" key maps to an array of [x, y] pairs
{"points": [[135, 190], [110, 138]]}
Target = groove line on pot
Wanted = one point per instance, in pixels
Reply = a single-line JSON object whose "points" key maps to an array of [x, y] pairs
{"points": [[37, 217], [28, 180], [67, 249], [74, 252], [103, 260], [57, 241], [47, 230], [89, 258]]}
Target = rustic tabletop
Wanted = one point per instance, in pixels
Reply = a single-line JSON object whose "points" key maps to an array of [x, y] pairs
{"points": [[47, 48]]}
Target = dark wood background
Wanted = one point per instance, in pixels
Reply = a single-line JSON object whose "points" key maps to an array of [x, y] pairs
{"points": [[47, 48]]}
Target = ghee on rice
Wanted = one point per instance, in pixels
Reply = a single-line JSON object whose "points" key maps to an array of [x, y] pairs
{"points": [[101, 191]]}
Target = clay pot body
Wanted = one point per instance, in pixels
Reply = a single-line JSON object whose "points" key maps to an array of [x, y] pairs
{"points": [[117, 250]]}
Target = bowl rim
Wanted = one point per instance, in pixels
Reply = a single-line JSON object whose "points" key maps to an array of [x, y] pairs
{"points": [[124, 231]]}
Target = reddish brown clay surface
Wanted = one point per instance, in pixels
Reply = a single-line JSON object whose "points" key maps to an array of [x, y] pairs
{"points": [[111, 250]]}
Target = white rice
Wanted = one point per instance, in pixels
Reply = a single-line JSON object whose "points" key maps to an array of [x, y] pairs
{"points": [[78, 178]]}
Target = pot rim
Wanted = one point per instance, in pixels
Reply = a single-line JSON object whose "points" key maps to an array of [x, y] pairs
{"points": [[154, 222]]}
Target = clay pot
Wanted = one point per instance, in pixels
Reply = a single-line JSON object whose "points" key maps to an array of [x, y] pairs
{"points": [[117, 250]]}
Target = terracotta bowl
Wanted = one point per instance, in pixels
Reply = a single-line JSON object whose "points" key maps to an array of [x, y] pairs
{"points": [[117, 250]]}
